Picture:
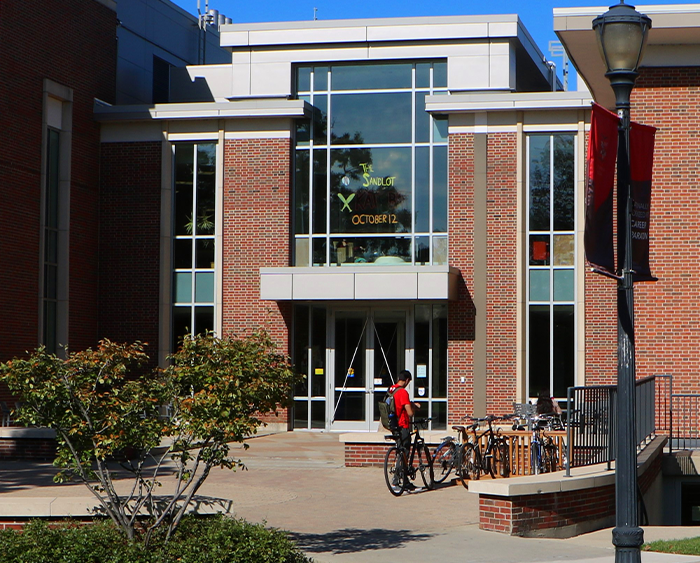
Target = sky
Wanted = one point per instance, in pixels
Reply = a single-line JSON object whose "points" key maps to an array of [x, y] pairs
{"points": [[536, 15]]}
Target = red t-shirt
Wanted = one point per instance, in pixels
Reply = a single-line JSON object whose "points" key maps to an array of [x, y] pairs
{"points": [[401, 399]]}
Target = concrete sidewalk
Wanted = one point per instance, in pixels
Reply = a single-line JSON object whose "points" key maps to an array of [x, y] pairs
{"points": [[297, 482]]}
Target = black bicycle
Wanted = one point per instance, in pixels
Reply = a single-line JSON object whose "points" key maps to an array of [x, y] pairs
{"points": [[401, 465], [495, 459]]}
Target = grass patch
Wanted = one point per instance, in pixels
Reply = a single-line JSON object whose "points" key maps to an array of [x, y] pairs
{"points": [[197, 540], [688, 546]]}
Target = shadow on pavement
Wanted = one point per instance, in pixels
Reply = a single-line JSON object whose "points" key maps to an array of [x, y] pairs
{"points": [[353, 540], [24, 475]]}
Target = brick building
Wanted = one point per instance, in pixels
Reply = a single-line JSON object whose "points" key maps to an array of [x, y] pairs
{"points": [[360, 188], [381, 195], [59, 59]]}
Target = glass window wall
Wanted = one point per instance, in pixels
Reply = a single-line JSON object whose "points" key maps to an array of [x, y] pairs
{"points": [[193, 242], [551, 264], [370, 183]]}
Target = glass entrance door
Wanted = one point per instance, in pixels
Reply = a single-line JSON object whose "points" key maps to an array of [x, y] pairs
{"points": [[369, 350]]}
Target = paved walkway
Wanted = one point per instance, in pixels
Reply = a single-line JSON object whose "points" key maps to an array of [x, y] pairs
{"points": [[297, 482]]}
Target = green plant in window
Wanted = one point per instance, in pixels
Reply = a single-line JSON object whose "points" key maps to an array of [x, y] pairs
{"points": [[205, 224]]}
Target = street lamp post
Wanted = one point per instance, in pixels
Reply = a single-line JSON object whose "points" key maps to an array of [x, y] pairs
{"points": [[621, 34]]}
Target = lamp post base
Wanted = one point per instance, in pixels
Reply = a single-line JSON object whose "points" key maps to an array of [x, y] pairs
{"points": [[627, 542]]}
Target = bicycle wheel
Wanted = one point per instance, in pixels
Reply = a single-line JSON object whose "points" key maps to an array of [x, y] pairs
{"points": [[501, 460], [425, 466], [470, 460], [443, 460], [551, 458], [395, 473]]}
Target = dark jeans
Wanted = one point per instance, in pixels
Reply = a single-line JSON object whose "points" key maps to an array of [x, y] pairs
{"points": [[405, 438]]}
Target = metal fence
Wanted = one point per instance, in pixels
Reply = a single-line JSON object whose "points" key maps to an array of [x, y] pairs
{"points": [[591, 421]]}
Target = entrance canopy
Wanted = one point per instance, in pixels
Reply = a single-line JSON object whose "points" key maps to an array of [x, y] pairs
{"points": [[673, 40], [359, 282]]}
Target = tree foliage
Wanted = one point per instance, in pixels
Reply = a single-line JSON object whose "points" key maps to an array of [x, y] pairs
{"points": [[113, 421]]}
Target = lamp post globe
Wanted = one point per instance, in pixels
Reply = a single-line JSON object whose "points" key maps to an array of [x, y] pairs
{"points": [[622, 33]]}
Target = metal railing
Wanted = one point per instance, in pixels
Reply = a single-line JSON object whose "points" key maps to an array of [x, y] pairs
{"points": [[589, 425], [591, 421], [685, 427]]}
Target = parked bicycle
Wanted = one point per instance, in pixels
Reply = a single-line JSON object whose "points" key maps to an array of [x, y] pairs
{"points": [[544, 454], [495, 459], [448, 454], [402, 465]]}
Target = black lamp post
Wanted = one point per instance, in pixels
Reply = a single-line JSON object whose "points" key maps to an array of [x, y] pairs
{"points": [[621, 34]]}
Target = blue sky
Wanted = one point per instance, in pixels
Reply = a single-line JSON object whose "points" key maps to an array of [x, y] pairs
{"points": [[535, 14]]}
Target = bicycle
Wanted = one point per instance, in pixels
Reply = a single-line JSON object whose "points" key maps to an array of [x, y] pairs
{"points": [[448, 454], [402, 465], [544, 455], [495, 459]]}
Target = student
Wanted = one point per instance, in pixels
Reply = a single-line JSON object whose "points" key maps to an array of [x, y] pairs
{"points": [[546, 405], [405, 408]]}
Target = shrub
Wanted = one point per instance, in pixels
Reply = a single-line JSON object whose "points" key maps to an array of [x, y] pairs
{"points": [[210, 540], [107, 415]]}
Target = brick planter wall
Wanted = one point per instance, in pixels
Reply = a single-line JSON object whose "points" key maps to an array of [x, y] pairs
{"points": [[562, 513], [365, 455], [38, 449], [522, 515]]}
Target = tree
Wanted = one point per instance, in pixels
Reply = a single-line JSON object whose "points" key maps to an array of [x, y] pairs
{"points": [[110, 421]]}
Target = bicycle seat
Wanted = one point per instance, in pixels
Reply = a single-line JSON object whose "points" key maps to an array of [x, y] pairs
{"points": [[459, 428]]}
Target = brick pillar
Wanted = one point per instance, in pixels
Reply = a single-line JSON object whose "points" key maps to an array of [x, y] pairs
{"points": [[256, 235], [461, 316]]}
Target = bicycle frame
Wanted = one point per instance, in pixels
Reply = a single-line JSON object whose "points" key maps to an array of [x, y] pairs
{"points": [[488, 461]]}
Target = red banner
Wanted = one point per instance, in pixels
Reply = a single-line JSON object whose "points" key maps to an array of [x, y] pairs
{"points": [[641, 164], [602, 154]]}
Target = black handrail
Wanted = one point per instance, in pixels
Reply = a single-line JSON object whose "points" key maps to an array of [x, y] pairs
{"points": [[591, 424]]}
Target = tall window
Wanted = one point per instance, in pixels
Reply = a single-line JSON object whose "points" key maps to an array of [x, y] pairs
{"points": [[193, 244], [51, 236], [551, 264], [371, 166]]}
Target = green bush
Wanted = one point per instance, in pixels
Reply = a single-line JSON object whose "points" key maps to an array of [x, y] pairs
{"points": [[209, 540]]}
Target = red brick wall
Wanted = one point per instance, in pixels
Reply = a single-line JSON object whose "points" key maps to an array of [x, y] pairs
{"points": [[81, 57], [28, 448], [521, 515], [461, 314], [667, 315], [502, 274], [524, 515], [256, 235], [365, 455], [130, 201], [666, 321]]}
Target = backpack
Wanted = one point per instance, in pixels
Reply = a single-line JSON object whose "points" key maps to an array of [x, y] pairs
{"points": [[387, 411]]}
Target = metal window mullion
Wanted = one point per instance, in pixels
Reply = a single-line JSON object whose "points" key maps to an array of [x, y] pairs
{"points": [[329, 120], [195, 180], [529, 268], [309, 356], [413, 163], [551, 264], [310, 183], [431, 179]]}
